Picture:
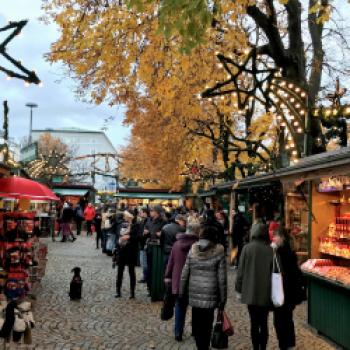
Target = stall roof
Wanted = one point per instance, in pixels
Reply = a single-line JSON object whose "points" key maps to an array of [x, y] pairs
{"points": [[337, 161], [148, 195], [71, 191]]}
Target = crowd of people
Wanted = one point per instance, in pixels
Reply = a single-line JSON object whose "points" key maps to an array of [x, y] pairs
{"points": [[194, 248]]}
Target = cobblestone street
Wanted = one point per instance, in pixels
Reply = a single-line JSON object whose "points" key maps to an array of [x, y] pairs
{"points": [[99, 321]]}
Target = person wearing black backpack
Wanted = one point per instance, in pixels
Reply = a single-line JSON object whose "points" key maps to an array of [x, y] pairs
{"points": [[293, 288]]}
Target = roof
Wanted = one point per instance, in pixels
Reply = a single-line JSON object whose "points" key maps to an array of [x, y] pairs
{"points": [[147, 190], [334, 161], [74, 186], [73, 131], [143, 195], [70, 191]]}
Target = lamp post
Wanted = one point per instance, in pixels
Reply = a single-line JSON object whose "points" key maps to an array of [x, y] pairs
{"points": [[31, 106]]}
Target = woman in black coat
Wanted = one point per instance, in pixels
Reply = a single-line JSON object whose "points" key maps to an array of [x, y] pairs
{"points": [[127, 251], [293, 288]]}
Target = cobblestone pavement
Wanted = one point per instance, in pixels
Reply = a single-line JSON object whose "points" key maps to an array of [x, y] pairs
{"points": [[99, 321]]}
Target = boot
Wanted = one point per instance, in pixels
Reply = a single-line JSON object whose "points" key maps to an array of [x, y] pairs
{"points": [[119, 294], [132, 294]]}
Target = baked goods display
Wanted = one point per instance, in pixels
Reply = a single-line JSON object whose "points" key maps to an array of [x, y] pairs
{"points": [[326, 268]]}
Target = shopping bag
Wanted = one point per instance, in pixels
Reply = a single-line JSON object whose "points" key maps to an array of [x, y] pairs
{"points": [[167, 311], [219, 339], [227, 325], [277, 292], [233, 255]]}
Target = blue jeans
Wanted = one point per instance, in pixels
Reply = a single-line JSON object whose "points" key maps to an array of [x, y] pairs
{"points": [[180, 315], [143, 262]]}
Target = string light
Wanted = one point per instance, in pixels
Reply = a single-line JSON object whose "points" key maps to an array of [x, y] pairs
{"points": [[8, 78]]}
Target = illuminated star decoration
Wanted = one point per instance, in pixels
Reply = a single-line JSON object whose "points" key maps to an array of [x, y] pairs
{"points": [[22, 73], [53, 164], [197, 172], [252, 80]]}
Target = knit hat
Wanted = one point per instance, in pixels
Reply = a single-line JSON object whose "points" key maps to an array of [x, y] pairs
{"points": [[180, 217], [128, 215], [158, 209]]}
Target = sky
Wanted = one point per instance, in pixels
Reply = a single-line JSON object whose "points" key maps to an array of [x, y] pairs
{"points": [[57, 104]]}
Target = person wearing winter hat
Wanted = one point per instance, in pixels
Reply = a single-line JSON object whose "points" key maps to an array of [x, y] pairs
{"points": [[127, 251], [153, 231], [253, 282], [176, 263], [168, 235]]}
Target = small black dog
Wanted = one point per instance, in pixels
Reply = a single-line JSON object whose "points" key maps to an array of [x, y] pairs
{"points": [[76, 284]]}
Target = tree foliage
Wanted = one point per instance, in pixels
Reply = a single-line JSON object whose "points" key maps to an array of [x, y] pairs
{"points": [[115, 51]]}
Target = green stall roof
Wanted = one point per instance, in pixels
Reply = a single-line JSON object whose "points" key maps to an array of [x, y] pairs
{"points": [[71, 191], [133, 195]]}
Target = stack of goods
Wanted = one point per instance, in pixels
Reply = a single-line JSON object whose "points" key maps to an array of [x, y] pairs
{"points": [[22, 263], [337, 241], [327, 269]]}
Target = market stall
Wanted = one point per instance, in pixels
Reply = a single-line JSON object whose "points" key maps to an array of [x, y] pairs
{"points": [[22, 255], [317, 215], [134, 197]]}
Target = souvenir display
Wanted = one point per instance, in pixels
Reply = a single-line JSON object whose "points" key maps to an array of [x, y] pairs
{"points": [[22, 265]]}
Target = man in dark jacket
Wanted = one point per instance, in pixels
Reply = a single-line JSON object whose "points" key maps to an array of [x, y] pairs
{"points": [[168, 236], [239, 233], [212, 222], [152, 231], [176, 263]]}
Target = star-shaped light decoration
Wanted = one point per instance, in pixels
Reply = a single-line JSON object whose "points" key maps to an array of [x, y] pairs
{"points": [[48, 166], [22, 72], [252, 80]]}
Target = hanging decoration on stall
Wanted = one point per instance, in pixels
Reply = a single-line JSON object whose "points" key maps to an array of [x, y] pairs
{"points": [[18, 71], [197, 172], [333, 118], [333, 184], [252, 80]]}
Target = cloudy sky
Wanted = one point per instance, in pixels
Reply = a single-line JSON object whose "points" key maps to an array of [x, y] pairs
{"points": [[58, 106]]}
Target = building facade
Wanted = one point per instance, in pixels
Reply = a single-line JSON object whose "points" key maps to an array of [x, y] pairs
{"points": [[90, 150]]}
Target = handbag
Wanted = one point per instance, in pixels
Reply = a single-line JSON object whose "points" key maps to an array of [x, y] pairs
{"points": [[167, 310], [219, 339], [233, 255], [227, 325], [277, 292]]}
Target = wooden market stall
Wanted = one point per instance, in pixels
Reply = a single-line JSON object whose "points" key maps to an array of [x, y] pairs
{"points": [[134, 197], [317, 215]]}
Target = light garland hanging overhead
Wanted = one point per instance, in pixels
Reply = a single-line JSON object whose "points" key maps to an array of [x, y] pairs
{"points": [[23, 73]]}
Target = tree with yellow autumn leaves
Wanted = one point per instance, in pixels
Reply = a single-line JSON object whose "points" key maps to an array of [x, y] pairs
{"points": [[118, 54]]}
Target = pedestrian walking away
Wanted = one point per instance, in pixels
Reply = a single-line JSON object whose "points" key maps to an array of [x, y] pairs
{"points": [[79, 217], [173, 272], [98, 227], [144, 219], [125, 254], [66, 220], [253, 282], [204, 276], [89, 214], [168, 236], [293, 288]]}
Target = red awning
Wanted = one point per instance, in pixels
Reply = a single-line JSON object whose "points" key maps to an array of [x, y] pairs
{"points": [[19, 187]]}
